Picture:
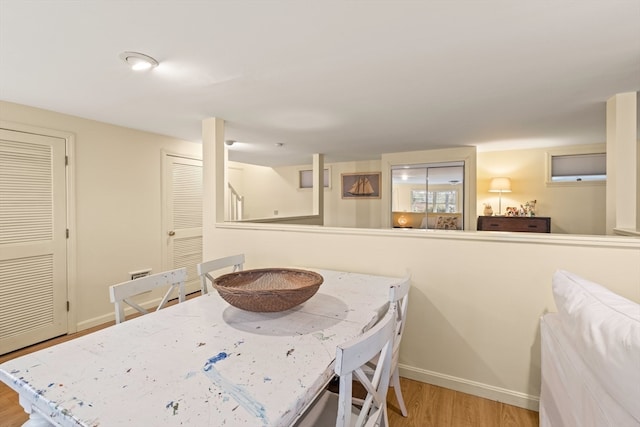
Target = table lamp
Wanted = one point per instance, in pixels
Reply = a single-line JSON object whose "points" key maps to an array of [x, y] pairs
{"points": [[500, 185]]}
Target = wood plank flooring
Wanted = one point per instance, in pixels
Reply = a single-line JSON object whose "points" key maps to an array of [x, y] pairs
{"points": [[428, 405], [432, 406]]}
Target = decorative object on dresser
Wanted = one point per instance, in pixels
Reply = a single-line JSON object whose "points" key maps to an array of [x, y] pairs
{"points": [[528, 209], [531, 224]]}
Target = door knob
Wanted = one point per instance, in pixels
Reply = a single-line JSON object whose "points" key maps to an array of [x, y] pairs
{"points": [[172, 233]]}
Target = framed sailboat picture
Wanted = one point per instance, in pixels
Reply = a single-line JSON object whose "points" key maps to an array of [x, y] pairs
{"points": [[363, 185]]}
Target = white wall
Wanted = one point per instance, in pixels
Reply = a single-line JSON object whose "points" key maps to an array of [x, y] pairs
{"points": [[361, 213], [274, 189], [573, 209], [268, 190], [476, 297], [118, 203]]}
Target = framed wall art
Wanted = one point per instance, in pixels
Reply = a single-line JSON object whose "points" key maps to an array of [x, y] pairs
{"points": [[361, 185]]}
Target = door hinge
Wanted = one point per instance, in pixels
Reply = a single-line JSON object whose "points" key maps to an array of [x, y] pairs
{"points": [[68, 305], [67, 233], [66, 160]]}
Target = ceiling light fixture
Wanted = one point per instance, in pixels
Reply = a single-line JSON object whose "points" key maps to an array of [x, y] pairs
{"points": [[138, 61]]}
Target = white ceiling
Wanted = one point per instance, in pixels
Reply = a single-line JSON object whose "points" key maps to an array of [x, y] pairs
{"points": [[351, 79]]}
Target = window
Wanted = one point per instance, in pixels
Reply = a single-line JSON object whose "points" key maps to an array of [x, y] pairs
{"points": [[418, 201], [434, 201], [305, 179], [443, 201], [576, 165]]}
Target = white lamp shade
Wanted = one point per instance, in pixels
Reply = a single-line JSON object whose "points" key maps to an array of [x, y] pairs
{"points": [[500, 185]]}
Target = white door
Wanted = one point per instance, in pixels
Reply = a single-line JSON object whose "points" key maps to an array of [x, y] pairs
{"points": [[182, 216], [33, 224]]}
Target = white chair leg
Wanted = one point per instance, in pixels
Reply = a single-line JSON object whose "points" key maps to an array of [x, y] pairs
{"points": [[395, 382], [385, 417]]}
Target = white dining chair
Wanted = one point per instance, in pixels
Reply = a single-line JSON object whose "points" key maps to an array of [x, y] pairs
{"points": [[331, 409], [122, 293], [399, 298], [205, 268]]}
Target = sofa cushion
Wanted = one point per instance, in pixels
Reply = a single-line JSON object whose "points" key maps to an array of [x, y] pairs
{"points": [[447, 223], [605, 328]]}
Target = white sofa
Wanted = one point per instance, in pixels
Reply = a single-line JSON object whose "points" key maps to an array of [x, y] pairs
{"points": [[590, 357]]}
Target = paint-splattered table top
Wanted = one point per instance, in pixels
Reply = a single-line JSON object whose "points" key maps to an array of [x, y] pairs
{"points": [[201, 362]]}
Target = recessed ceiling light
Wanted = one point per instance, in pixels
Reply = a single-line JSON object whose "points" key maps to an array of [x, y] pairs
{"points": [[138, 61]]}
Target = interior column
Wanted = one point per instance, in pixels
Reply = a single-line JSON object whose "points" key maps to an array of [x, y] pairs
{"points": [[623, 180], [318, 186], [214, 179]]}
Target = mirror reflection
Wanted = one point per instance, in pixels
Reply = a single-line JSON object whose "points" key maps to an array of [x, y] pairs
{"points": [[428, 196]]}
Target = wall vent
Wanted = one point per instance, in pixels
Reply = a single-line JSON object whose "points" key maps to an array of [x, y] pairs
{"points": [[140, 273]]}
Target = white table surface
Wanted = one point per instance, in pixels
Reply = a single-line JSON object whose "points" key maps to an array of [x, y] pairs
{"points": [[201, 362]]}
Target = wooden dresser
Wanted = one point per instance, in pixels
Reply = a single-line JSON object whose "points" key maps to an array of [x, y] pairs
{"points": [[531, 224]]}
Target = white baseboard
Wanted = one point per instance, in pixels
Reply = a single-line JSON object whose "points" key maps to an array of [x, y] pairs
{"points": [[486, 391], [95, 321], [110, 317]]}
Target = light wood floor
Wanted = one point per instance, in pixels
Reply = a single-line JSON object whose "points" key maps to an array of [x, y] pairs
{"points": [[428, 405], [433, 406]]}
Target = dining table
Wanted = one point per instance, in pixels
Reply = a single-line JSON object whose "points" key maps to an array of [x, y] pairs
{"points": [[202, 362]]}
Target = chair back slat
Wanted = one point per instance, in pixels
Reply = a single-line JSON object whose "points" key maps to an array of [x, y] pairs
{"points": [[122, 293], [399, 297], [205, 268]]}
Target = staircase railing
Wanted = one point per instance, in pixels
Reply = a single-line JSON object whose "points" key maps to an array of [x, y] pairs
{"points": [[236, 204]]}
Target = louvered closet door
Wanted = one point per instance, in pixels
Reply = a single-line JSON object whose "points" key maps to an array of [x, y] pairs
{"points": [[33, 278], [183, 216]]}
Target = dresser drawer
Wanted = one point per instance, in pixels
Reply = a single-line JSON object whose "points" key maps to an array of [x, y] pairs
{"points": [[515, 223]]}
